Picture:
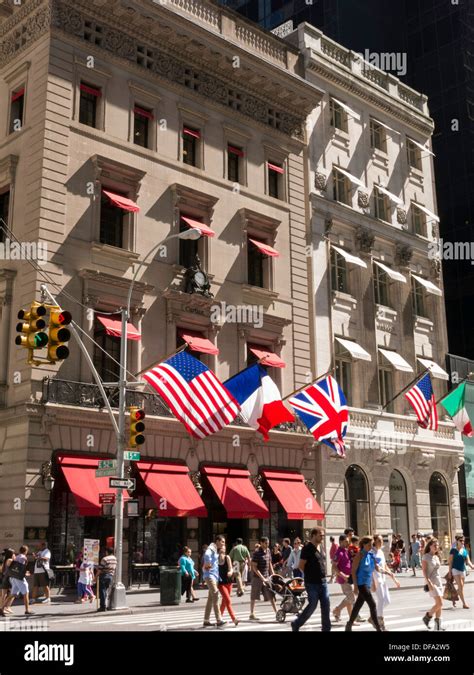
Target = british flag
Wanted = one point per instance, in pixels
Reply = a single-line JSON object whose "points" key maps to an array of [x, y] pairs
{"points": [[422, 399], [323, 408]]}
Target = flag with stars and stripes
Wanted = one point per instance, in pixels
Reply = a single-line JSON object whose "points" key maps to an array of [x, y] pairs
{"points": [[422, 399], [194, 394]]}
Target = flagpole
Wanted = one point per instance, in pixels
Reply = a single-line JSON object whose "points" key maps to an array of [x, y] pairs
{"points": [[451, 390], [416, 379], [319, 377], [176, 351]]}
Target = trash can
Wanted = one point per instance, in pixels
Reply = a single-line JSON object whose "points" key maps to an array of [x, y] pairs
{"points": [[170, 585]]}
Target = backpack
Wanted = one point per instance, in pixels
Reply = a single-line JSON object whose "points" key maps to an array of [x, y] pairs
{"points": [[16, 570]]}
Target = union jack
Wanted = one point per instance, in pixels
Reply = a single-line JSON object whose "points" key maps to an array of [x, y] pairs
{"points": [[422, 399], [323, 408]]}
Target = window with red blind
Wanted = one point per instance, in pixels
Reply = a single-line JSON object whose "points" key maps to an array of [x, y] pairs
{"points": [[17, 108], [4, 210], [191, 145], [142, 119], [88, 105], [275, 175], [234, 160]]}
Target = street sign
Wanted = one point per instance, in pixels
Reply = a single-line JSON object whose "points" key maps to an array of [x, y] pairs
{"points": [[106, 498], [107, 464], [131, 456], [100, 473], [124, 483]]}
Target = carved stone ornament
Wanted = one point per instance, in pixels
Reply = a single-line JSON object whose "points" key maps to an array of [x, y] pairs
{"points": [[328, 225], [435, 265], [365, 239], [401, 216], [403, 255], [363, 199], [320, 181]]}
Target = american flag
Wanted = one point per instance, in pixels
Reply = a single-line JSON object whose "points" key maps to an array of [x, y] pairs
{"points": [[422, 399], [323, 408], [194, 394]]}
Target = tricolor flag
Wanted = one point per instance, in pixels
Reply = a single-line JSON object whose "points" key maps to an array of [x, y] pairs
{"points": [[454, 405], [194, 394], [323, 408], [423, 401], [260, 401]]}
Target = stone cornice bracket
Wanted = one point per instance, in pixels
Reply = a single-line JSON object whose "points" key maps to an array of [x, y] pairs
{"points": [[435, 269], [104, 167], [328, 224], [425, 458], [403, 255], [263, 222], [365, 239], [7, 276], [8, 170], [109, 280], [183, 196]]}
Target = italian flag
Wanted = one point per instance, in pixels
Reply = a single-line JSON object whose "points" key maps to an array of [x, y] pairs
{"points": [[454, 405]]}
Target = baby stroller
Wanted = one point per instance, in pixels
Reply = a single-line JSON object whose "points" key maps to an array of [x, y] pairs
{"points": [[292, 593]]}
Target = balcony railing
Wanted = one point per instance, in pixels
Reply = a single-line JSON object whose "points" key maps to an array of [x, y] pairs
{"points": [[87, 395]]}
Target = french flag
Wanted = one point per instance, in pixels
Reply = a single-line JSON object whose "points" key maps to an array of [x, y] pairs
{"points": [[260, 401]]}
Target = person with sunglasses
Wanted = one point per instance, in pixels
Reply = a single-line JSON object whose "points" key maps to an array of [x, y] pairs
{"points": [[458, 560]]}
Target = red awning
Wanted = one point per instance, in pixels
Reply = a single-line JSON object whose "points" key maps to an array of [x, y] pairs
{"points": [[121, 201], [79, 473], [90, 90], [235, 151], [265, 248], [204, 229], [292, 493], [142, 112], [269, 358], [191, 132], [18, 94], [197, 342], [235, 491], [172, 490], [114, 327], [275, 167]]}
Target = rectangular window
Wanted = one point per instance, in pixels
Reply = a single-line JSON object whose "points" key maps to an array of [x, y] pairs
{"points": [[342, 188], [234, 158], [418, 298], [343, 374], [17, 109], [111, 222], [418, 221], [275, 174], [107, 367], [141, 126], [191, 141], [339, 278], [386, 388], [88, 104], [414, 155], [381, 286], [188, 248], [378, 138], [4, 210], [256, 263], [381, 206], [338, 116]]}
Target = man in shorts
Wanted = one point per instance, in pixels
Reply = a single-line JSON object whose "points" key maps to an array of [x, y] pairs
{"points": [[40, 576], [262, 568]]}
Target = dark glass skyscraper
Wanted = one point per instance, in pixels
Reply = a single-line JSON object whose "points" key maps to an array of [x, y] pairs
{"points": [[437, 38]]}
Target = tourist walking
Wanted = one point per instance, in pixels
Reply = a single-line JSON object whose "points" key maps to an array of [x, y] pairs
{"points": [[342, 564], [19, 584], [225, 582], [431, 564], [240, 556], [188, 575], [285, 554], [415, 546], [332, 553], [8, 557], [41, 574], [313, 564], [294, 558], [107, 568], [458, 560], [380, 581], [262, 568], [363, 567], [210, 573]]}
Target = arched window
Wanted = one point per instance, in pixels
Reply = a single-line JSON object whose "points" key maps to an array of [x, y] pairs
{"points": [[356, 495], [439, 504], [399, 506]]}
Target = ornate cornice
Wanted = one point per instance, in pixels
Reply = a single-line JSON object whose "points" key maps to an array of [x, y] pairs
{"points": [[22, 28]]}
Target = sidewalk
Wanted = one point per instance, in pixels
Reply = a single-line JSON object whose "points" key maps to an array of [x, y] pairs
{"points": [[148, 599]]}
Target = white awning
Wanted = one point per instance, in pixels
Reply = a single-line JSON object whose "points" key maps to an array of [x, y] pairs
{"points": [[349, 257], [390, 195], [396, 360], [345, 107], [429, 213], [430, 287], [422, 147], [355, 350], [352, 178], [435, 370], [382, 124], [393, 274]]}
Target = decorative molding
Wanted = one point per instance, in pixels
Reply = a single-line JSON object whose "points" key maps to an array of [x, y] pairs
{"points": [[261, 221], [403, 255], [25, 28], [365, 239], [363, 199], [435, 269], [401, 216], [104, 167], [259, 42], [320, 181], [8, 170]]}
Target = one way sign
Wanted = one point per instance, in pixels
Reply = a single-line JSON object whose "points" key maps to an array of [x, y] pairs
{"points": [[124, 483]]}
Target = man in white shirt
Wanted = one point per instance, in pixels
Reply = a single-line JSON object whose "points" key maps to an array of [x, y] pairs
{"points": [[40, 576]]}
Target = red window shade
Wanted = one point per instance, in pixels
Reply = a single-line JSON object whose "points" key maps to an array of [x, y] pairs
{"points": [[18, 94], [294, 496], [235, 492], [197, 342], [143, 113], [172, 490], [195, 224], [191, 132], [265, 248], [235, 151], [114, 327], [121, 201], [267, 357], [275, 167], [90, 90]]}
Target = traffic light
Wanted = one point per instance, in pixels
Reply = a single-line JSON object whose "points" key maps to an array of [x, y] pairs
{"points": [[58, 335], [137, 426], [31, 327]]}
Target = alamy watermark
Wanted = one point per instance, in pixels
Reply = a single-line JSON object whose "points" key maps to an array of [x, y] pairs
{"points": [[393, 443], [393, 62], [24, 250], [451, 250], [249, 314]]}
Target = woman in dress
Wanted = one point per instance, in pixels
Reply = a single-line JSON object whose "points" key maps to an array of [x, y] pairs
{"points": [[380, 582], [458, 560], [430, 565]]}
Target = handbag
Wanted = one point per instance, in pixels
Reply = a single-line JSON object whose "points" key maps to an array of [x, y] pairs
{"points": [[426, 588], [16, 570], [49, 573]]}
